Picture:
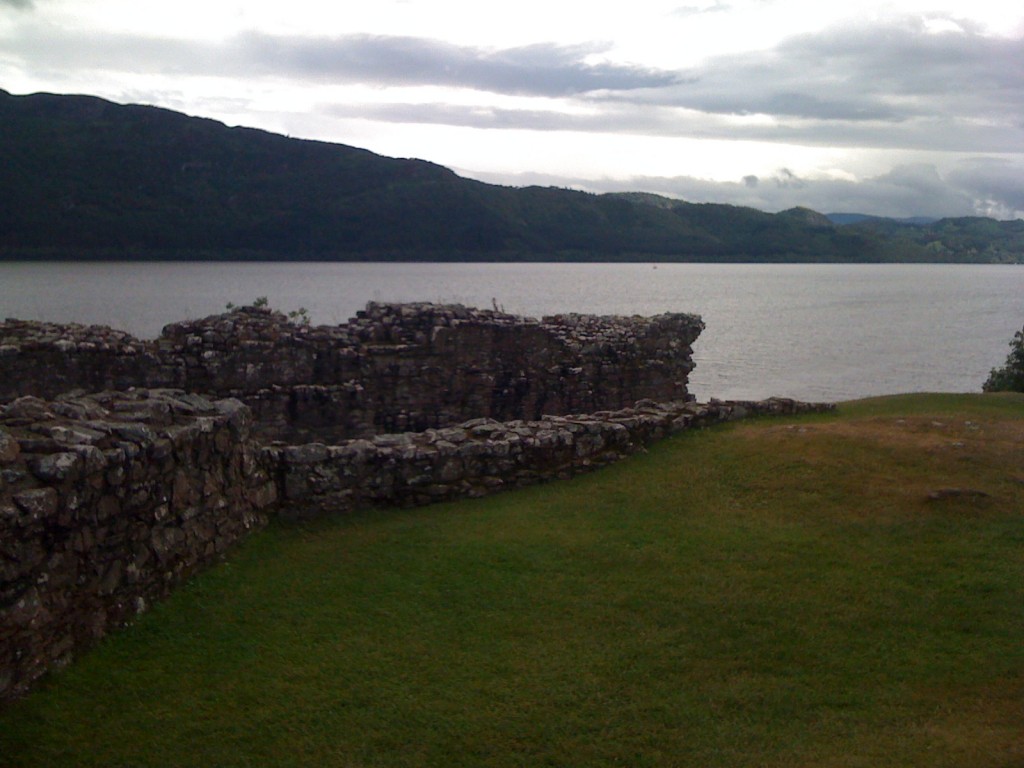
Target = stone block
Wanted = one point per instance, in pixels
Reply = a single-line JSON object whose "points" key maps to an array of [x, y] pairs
{"points": [[36, 503]]}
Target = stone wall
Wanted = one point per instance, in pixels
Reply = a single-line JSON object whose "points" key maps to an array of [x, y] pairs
{"points": [[107, 502], [392, 368], [48, 359], [483, 456]]}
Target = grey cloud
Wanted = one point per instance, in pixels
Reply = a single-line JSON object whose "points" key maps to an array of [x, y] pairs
{"points": [[976, 188], [905, 190], [785, 178], [887, 73], [54, 51], [792, 103], [717, 6], [870, 86], [19, 4], [689, 10], [951, 134], [543, 69], [995, 182], [867, 86], [922, 178], [611, 120]]}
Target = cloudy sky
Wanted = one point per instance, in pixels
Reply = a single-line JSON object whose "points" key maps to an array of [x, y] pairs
{"points": [[895, 108]]}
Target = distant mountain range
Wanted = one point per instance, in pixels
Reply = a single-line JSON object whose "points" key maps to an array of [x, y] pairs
{"points": [[84, 178], [857, 218]]}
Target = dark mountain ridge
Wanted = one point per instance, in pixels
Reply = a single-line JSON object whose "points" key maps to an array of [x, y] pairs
{"points": [[81, 177]]}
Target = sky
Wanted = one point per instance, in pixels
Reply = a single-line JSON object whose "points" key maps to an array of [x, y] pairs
{"points": [[900, 108]]}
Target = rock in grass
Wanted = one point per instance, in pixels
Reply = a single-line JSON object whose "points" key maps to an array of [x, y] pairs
{"points": [[972, 494]]}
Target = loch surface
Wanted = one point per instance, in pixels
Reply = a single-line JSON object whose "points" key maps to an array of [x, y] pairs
{"points": [[809, 331]]}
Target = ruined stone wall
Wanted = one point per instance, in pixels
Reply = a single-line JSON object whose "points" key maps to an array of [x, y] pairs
{"points": [[108, 501], [392, 368], [48, 359], [483, 456], [411, 367]]}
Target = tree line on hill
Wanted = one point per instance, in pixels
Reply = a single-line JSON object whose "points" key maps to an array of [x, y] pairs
{"points": [[87, 178]]}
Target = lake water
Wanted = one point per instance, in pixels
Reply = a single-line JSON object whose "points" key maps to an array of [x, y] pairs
{"points": [[810, 331]]}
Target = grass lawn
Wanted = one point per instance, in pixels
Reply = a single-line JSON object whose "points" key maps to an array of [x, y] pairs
{"points": [[841, 590]]}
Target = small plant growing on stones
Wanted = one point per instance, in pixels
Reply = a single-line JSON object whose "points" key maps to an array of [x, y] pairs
{"points": [[298, 316], [259, 301]]}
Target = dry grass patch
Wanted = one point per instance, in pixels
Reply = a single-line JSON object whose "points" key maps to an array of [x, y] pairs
{"points": [[898, 465]]}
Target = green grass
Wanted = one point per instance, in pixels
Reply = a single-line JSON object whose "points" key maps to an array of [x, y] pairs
{"points": [[770, 593]]}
